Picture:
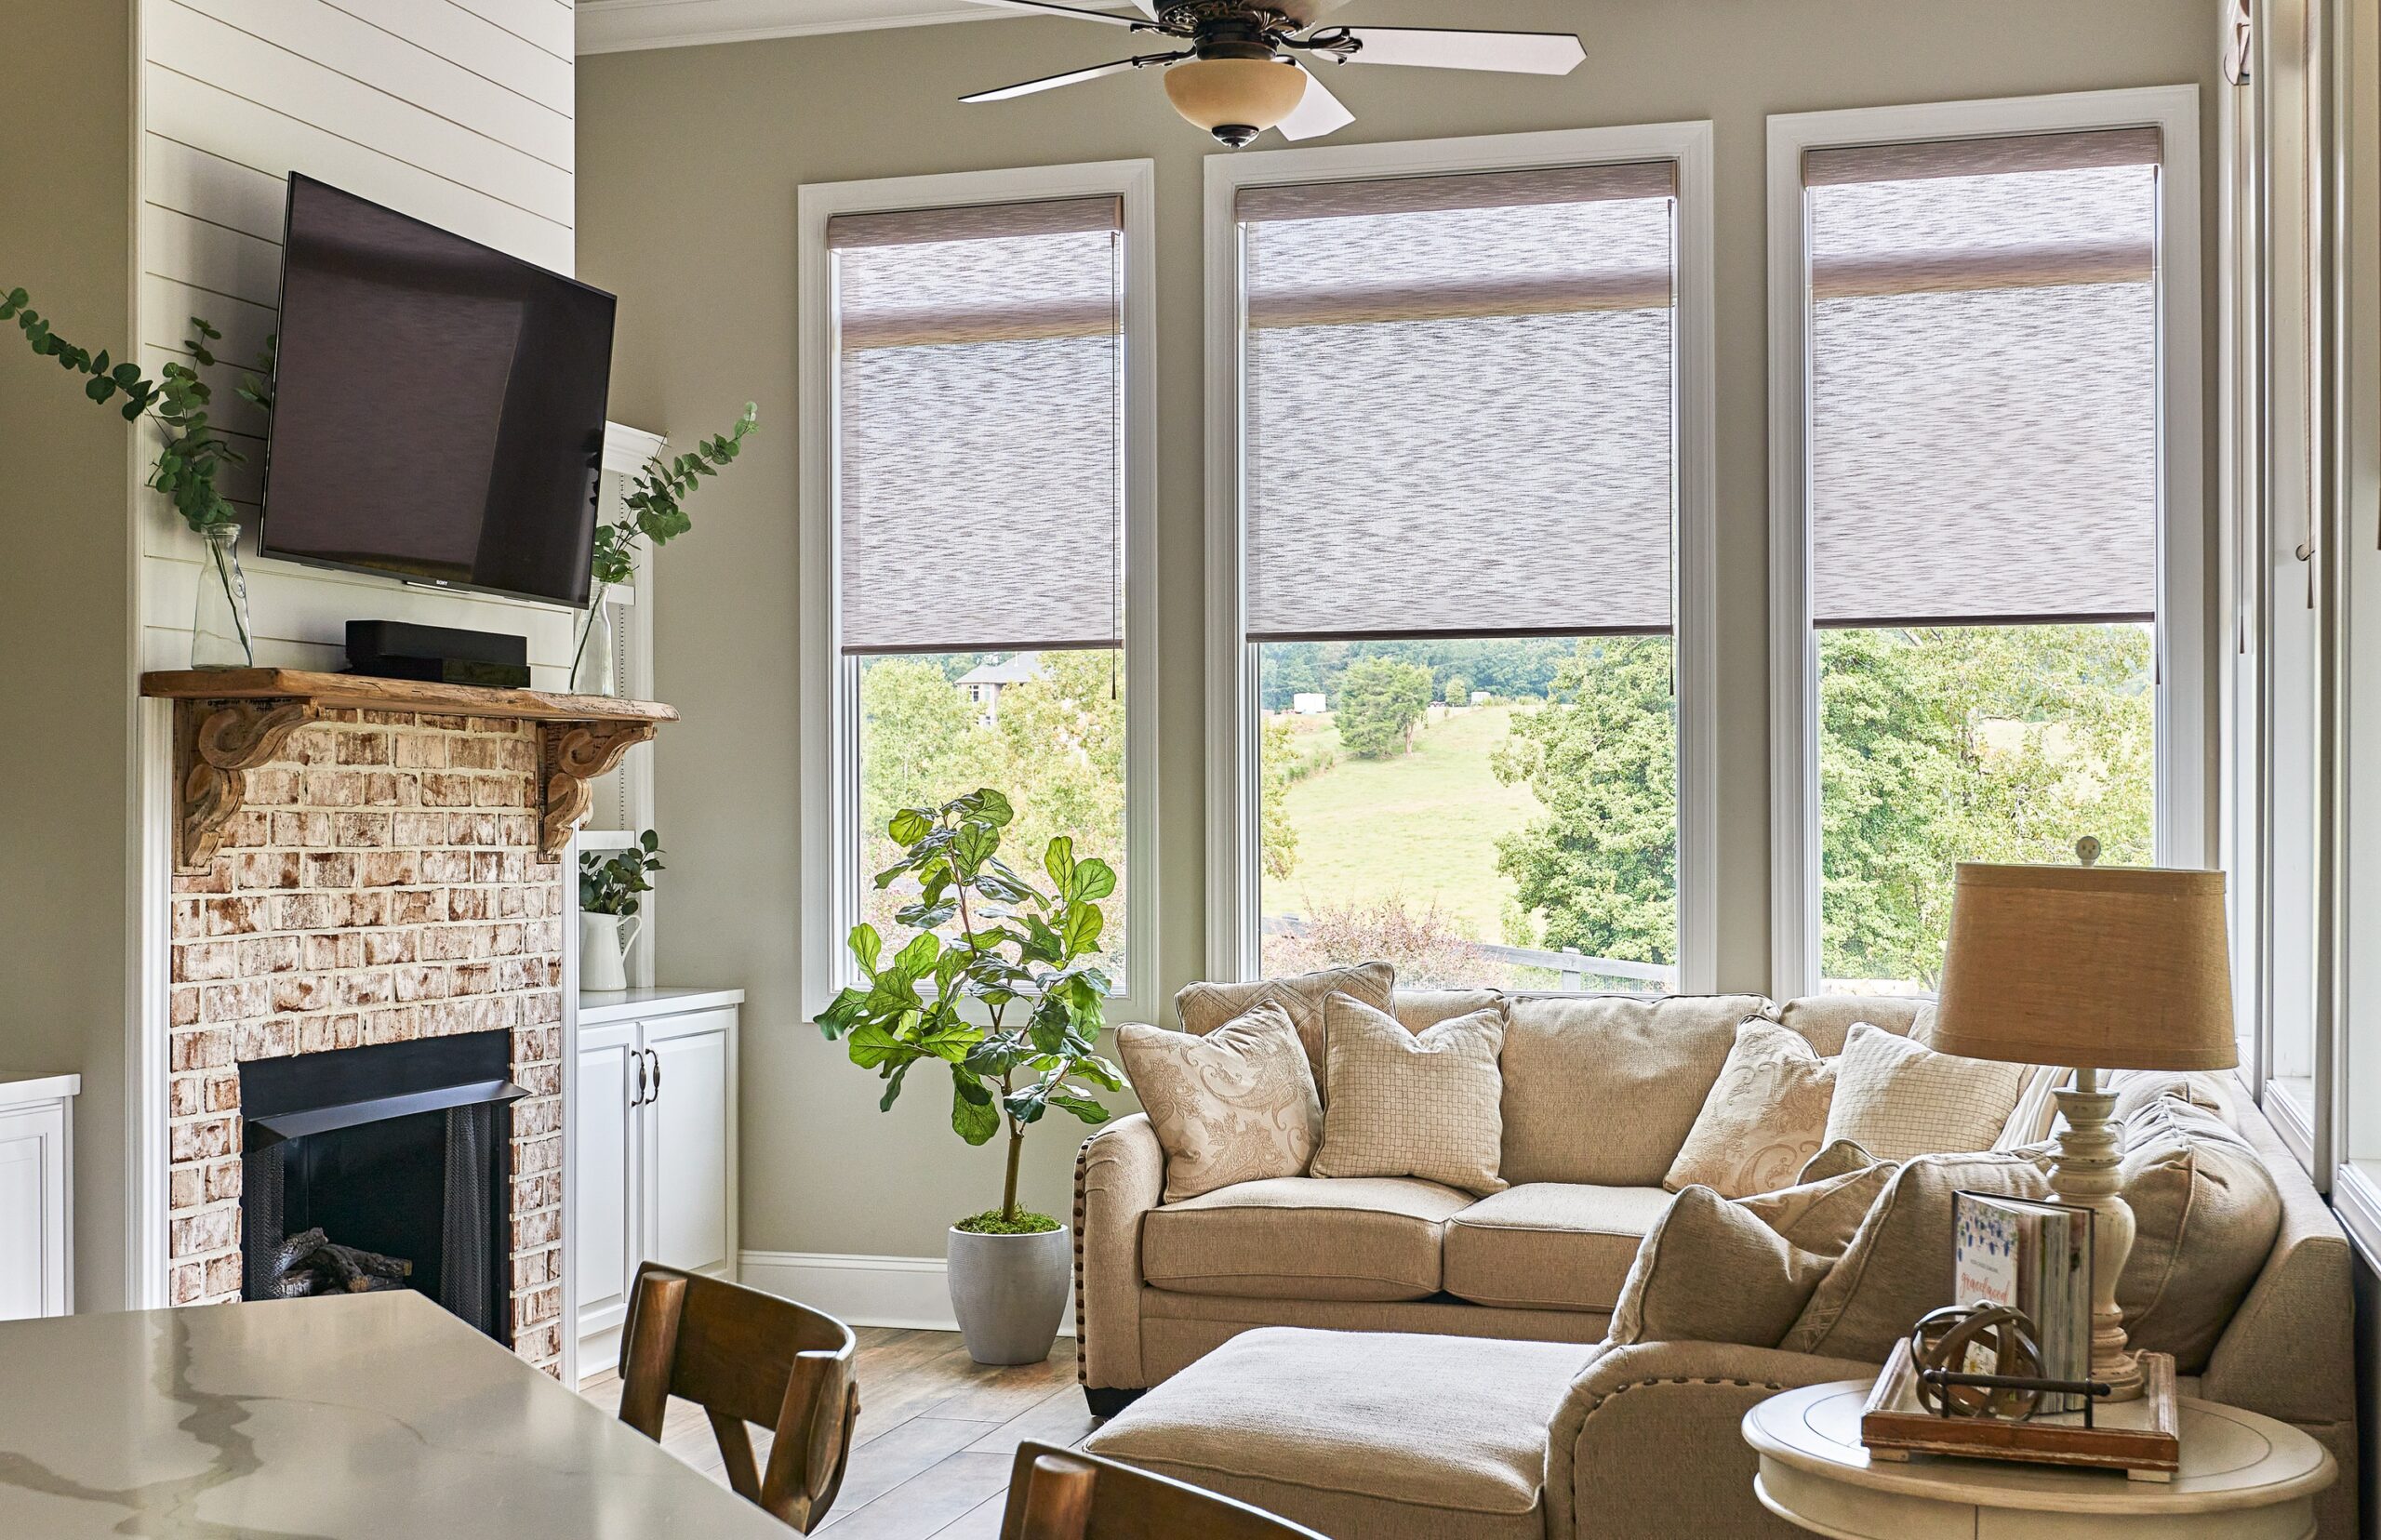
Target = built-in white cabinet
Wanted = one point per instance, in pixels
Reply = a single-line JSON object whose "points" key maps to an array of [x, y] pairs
{"points": [[36, 1194], [654, 1127]]}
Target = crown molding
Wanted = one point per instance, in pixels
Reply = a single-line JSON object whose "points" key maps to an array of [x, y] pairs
{"points": [[617, 26]]}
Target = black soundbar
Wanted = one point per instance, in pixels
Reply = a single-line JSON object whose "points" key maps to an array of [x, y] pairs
{"points": [[446, 654]]}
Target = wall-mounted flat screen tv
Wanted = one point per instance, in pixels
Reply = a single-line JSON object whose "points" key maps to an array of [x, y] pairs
{"points": [[438, 405]]}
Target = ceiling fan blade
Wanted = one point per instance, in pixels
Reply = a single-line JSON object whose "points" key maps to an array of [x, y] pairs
{"points": [[1319, 112], [1453, 49], [1042, 8], [1072, 77]]}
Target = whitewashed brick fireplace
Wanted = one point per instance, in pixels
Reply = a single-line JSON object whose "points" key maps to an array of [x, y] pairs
{"points": [[380, 884]]}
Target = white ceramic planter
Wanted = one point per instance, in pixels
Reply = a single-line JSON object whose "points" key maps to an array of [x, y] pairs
{"points": [[602, 954], [1010, 1291]]}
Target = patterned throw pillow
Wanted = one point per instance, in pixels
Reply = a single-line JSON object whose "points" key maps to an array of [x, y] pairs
{"points": [[1765, 1115], [1236, 1104], [1203, 1007], [1897, 1098], [1407, 1104]]}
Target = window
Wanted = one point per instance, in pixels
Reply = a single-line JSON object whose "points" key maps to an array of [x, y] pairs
{"points": [[978, 506], [1977, 594], [1455, 736]]}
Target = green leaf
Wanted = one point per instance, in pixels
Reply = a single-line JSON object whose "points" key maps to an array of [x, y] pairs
{"points": [[1094, 880], [974, 1117], [909, 825], [1082, 929], [916, 960], [893, 1087], [1060, 861], [867, 946], [872, 1044]]}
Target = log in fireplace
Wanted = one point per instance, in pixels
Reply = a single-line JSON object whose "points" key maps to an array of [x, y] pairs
{"points": [[385, 1166]]}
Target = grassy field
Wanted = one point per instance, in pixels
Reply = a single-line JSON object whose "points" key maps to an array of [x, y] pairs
{"points": [[1422, 826]]}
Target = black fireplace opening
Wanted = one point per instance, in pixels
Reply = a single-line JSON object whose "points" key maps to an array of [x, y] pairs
{"points": [[382, 1167]]}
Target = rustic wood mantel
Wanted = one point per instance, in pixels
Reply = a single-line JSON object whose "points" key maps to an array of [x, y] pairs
{"points": [[228, 721]]}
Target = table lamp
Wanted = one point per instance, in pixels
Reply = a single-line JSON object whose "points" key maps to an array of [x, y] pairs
{"points": [[2100, 968]]}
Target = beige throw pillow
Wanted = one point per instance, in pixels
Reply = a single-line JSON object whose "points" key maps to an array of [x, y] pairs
{"points": [[1711, 1271], [1897, 1098], [1822, 1216], [1203, 1007], [1408, 1103], [1235, 1106], [1763, 1117]]}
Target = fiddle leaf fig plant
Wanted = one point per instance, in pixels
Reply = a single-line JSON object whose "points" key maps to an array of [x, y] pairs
{"points": [[1012, 1004]]}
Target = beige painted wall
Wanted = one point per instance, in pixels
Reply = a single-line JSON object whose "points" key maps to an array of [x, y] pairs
{"points": [[689, 160], [65, 592]]}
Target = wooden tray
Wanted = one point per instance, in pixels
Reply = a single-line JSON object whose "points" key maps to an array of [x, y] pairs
{"points": [[2136, 1437]]}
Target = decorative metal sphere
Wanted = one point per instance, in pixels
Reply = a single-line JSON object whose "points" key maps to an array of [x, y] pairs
{"points": [[1944, 1338]]}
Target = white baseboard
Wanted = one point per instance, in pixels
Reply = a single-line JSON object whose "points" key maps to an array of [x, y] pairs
{"points": [[866, 1290]]}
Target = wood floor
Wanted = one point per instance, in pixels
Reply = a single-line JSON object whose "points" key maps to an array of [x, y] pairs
{"points": [[937, 1431]]}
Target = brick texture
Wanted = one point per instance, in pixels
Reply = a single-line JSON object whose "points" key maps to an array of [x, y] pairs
{"points": [[382, 885]]}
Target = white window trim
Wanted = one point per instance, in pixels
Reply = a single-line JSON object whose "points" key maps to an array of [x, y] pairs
{"points": [[2182, 749], [829, 715], [1233, 770]]}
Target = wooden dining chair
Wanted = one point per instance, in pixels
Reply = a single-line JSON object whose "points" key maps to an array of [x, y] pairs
{"points": [[745, 1357], [1060, 1495]]}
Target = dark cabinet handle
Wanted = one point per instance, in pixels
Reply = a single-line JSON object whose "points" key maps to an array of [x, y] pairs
{"points": [[656, 1074], [637, 1098]]}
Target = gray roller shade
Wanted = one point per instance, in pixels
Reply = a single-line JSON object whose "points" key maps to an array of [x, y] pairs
{"points": [[1984, 381], [980, 455], [1459, 404]]}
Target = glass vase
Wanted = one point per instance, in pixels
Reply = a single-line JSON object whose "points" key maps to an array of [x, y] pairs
{"points": [[219, 631], [591, 667]]}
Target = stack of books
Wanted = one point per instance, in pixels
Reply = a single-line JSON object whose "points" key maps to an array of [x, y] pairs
{"points": [[2035, 1258]]}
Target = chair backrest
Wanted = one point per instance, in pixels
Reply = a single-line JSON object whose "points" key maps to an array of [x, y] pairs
{"points": [[746, 1357], [1059, 1495]]}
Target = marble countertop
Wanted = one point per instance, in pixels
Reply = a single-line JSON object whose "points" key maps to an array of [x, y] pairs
{"points": [[368, 1417]]}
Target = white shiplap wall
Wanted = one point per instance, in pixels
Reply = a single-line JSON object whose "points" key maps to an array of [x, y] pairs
{"points": [[455, 112]]}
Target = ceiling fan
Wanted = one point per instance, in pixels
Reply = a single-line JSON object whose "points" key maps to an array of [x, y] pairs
{"points": [[1251, 65]]}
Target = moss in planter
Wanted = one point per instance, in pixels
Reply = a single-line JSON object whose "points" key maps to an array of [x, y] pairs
{"points": [[990, 1223]]}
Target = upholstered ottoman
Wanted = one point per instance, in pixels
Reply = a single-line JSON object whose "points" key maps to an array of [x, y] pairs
{"points": [[1362, 1434]]}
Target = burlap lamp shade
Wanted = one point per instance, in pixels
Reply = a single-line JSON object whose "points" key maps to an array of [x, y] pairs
{"points": [[2099, 968], [2114, 967]]}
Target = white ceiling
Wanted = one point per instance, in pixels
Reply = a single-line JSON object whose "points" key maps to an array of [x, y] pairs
{"points": [[614, 26]]}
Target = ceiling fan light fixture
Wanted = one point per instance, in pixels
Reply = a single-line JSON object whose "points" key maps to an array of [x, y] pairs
{"points": [[1235, 98]]}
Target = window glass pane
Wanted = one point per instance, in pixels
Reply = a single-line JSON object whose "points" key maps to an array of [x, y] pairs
{"points": [[1476, 812], [1968, 743], [1047, 729]]}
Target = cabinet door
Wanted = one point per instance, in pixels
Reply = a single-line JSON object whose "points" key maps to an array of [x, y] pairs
{"points": [[32, 1214], [686, 1130], [606, 1205]]}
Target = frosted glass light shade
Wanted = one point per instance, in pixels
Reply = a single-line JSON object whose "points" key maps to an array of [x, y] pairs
{"points": [[1235, 98]]}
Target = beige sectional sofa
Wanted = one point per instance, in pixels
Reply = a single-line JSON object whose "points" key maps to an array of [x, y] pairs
{"points": [[1600, 1094]]}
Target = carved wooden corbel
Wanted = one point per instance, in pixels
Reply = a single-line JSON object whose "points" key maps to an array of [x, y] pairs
{"points": [[575, 754], [216, 743]]}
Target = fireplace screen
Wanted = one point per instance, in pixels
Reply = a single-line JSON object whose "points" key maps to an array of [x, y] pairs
{"points": [[381, 1168]]}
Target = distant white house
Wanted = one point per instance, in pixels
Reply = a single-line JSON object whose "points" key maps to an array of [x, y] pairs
{"points": [[1481, 697], [983, 684], [1308, 703]]}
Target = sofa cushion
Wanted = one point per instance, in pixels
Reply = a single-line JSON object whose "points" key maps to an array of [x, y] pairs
{"points": [[1422, 1009], [1386, 1435], [1711, 1272], [1303, 1237], [1202, 1008], [1550, 1245], [1896, 1098], [1762, 1118], [1412, 1103], [1603, 1089], [1825, 1020]]}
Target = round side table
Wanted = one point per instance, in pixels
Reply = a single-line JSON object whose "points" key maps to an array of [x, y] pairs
{"points": [[2244, 1477]]}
